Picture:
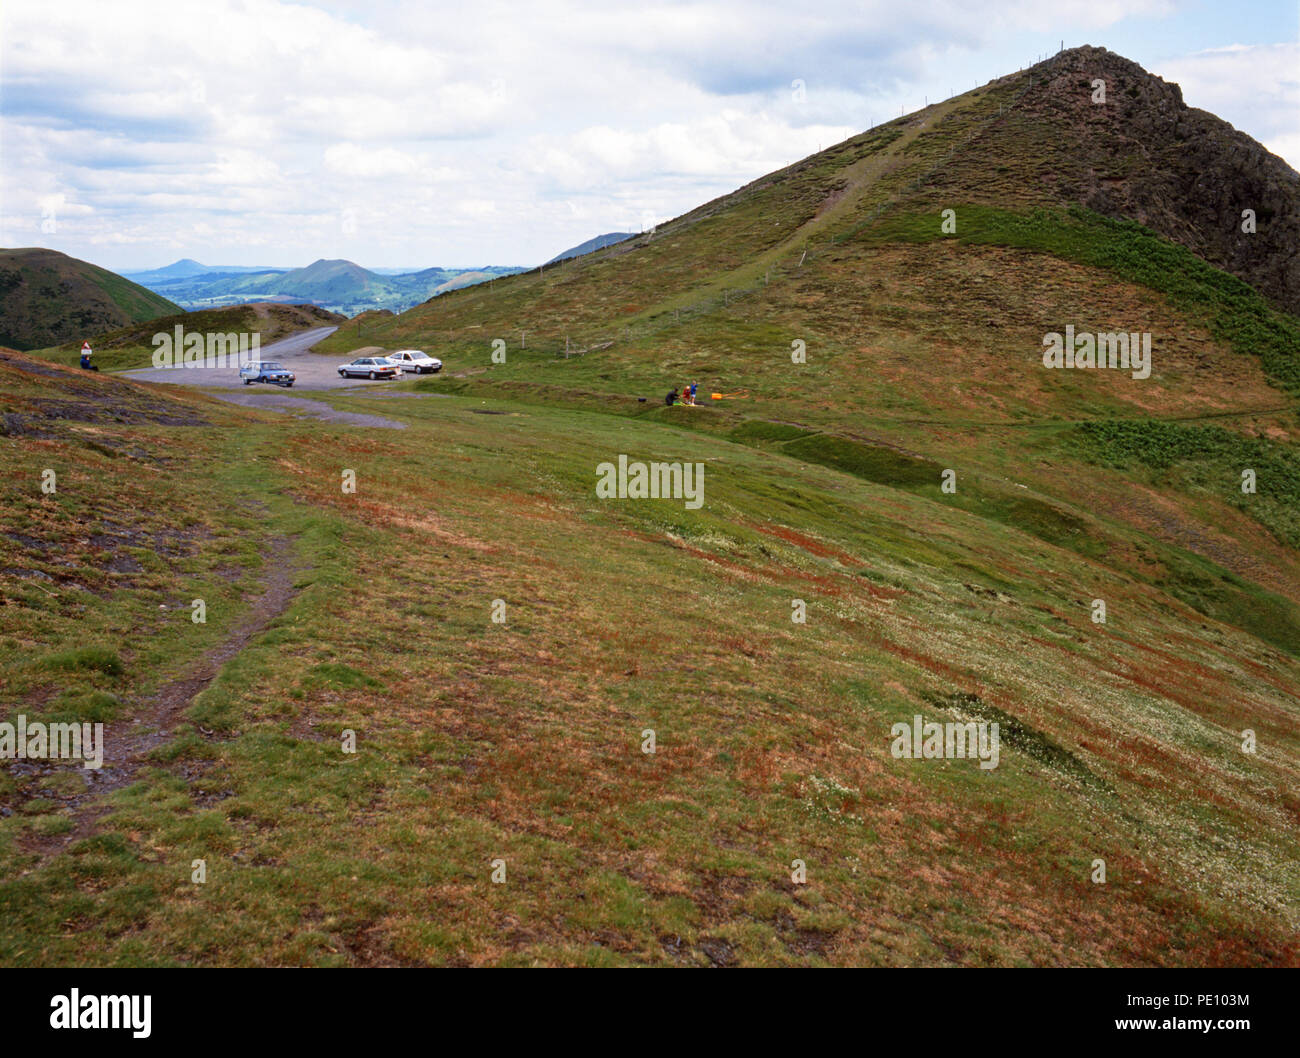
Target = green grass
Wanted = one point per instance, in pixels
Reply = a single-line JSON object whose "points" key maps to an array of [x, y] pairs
{"points": [[478, 741], [752, 430], [85, 659], [1205, 457], [1234, 311], [1018, 735], [871, 462]]}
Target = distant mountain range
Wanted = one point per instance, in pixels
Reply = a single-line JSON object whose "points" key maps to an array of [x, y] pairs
{"points": [[598, 243], [187, 267], [338, 285], [47, 297]]}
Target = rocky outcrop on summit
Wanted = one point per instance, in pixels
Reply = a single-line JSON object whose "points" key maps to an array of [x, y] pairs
{"points": [[1145, 155]]}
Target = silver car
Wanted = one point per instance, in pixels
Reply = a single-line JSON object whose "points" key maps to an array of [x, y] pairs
{"points": [[369, 367]]}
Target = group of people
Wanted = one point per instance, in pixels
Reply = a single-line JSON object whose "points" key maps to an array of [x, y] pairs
{"points": [[686, 396]]}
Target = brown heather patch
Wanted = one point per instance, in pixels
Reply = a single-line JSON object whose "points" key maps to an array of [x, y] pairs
{"points": [[1267, 673], [812, 546], [1232, 539], [1014, 298], [959, 678]]}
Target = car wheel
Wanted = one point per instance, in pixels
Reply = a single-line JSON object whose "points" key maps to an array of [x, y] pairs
{"points": [[248, 381], [373, 376]]}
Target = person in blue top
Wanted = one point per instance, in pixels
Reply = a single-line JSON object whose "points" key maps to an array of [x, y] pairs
{"points": [[694, 387]]}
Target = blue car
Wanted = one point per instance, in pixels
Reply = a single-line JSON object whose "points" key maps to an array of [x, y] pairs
{"points": [[267, 371]]}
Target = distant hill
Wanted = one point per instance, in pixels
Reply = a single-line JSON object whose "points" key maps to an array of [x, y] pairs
{"points": [[598, 243], [338, 285], [336, 280], [47, 297], [187, 268]]}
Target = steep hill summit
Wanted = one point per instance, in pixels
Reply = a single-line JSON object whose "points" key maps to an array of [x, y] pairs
{"points": [[1096, 129]]}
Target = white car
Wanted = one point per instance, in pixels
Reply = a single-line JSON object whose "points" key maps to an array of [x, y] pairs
{"points": [[415, 361]]}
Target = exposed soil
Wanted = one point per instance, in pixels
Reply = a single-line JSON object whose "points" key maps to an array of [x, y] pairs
{"points": [[127, 745]]}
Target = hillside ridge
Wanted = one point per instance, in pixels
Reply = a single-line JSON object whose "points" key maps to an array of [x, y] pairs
{"points": [[48, 297]]}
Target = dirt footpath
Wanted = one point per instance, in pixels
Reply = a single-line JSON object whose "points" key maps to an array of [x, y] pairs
{"points": [[155, 718]]}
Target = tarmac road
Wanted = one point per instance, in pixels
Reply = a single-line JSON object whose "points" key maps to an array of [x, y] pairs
{"points": [[314, 371]]}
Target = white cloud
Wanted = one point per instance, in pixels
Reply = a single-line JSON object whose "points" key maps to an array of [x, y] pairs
{"points": [[498, 132], [1251, 86]]}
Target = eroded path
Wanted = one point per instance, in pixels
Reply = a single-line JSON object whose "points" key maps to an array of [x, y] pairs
{"points": [[128, 742]]}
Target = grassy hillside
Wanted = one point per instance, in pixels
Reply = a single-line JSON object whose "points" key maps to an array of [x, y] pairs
{"points": [[522, 740], [47, 297], [501, 640], [924, 350]]}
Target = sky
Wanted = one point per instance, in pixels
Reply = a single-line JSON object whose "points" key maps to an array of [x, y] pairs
{"points": [[257, 132]]}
